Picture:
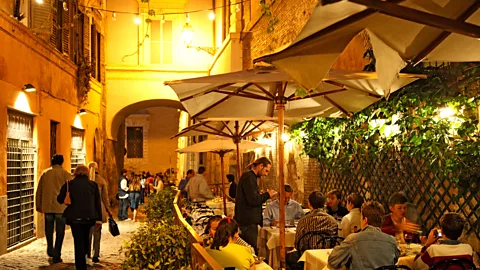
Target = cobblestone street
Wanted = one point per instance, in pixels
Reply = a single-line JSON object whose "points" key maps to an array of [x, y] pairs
{"points": [[34, 255]]}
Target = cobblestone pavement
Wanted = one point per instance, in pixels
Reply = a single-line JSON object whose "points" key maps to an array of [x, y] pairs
{"points": [[34, 255]]}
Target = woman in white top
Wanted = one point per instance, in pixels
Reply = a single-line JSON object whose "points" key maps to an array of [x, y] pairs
{"points": [[158, 183], [352, 221]]}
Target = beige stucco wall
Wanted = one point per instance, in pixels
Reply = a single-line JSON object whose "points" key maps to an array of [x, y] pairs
{"points": [[25, 58]]}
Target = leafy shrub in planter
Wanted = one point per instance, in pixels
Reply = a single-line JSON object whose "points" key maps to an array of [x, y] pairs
{"points": [[160, 206], [158, 246]]}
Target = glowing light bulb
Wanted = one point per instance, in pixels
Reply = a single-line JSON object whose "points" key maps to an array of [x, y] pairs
{"points": [[137, 20], [39, 1], [114, 16], [187, 34], [285, 137], [211, 16]]}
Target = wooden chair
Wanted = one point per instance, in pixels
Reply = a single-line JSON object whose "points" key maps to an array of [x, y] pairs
{"points": [[309, 240], [393, 267], [461, 263]]}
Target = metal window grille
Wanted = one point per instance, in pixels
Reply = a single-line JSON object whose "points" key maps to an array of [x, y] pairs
{"points": [[77, 156], [134, 142], [20, 178], [53, 138]]}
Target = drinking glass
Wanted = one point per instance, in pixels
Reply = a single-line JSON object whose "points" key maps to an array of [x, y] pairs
{"points": [[408, 239]]}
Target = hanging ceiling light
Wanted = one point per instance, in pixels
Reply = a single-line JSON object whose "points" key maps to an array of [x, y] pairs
{"points": [[137, 19]]}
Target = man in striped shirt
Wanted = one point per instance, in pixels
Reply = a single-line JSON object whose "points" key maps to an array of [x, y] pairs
{"points": [[452, 225]]}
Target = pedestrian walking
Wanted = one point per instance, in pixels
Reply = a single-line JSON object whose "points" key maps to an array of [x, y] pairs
{"points": [[49, 184], [83, 212], [96, 231]]}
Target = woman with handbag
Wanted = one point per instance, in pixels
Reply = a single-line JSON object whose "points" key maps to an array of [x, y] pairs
{"points": [[84, 210]]}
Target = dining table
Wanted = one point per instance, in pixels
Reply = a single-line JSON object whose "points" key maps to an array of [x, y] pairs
{"points": [[318, 258], [269, 243]]}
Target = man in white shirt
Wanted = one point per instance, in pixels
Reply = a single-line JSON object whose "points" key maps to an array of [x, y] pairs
{"points": [[197, 188], [123, 196], [293, 210]]}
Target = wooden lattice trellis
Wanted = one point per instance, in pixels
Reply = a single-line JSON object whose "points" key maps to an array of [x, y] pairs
{"points": [[376, 178]]}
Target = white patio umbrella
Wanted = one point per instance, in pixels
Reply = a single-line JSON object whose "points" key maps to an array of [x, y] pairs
{"points": [[263, 94], [400, 31], [235, 130], [221, 146]]}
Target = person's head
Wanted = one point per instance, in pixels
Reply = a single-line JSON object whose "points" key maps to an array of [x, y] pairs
{"points": [[334, 197], [227, 231], [201, 170], [231, 178], [397, 203], [190, 173], [212, 225], [93, 167], [354, 200], [261, 166], [81, 170], [124, 172], [57, 160], [316, 200], [288, 193], [373, 214], [452, 225]]}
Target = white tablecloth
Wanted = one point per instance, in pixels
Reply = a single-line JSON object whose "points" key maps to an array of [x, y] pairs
{"points": [[316, 259], [219, 206], [269, 244]]}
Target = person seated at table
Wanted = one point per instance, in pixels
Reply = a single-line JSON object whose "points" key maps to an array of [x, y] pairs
{"points": [[396, 224], [334, 205], [232, 190], [452, 225], [316, 221], [368, 249], [211, 228], [351, 222], [224, 250], [293, 210]]}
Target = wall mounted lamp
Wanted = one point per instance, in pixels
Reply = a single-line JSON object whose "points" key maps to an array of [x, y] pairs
{"points": [[29, 88], [82, 112]]}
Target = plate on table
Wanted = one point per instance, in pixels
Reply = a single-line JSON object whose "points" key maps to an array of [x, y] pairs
{"points": [[259, 260]]}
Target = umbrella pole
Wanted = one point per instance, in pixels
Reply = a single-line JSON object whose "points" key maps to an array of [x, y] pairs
{"points": [[223, 183], [237, 141], [281, 184]]}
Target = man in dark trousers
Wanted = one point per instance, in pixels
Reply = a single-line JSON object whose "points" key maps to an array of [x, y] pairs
{"points": [[248, 202]]}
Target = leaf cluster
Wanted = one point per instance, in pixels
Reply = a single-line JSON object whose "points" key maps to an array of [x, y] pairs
{"points": [[160, 206], [158, 246], [267, 12], [448, 144], [84, 71]]}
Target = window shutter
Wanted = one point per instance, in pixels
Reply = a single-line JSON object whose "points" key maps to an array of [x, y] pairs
{"points": [[66, 28], [41, 21], [86, 36], [54, 29], [102, 58]]}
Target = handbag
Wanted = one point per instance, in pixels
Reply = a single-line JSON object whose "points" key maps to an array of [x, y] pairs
{"points": [[113, 227], [67, 200]]}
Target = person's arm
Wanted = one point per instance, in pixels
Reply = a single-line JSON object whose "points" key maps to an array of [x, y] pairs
{"points": [[62, 194], [38, 194], [345, 227], [422, 262], [340, 255], [268, 215], [299, 211], [389, 227], [98, 205], [104, 197], [252, 195]]}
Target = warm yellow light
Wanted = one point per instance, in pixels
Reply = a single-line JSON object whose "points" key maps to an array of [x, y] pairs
{"points": [[78, 122], [39, 1], [211, 15], [187, 34], [285, 137], [22, 103], [137, 20], [446, 112]]}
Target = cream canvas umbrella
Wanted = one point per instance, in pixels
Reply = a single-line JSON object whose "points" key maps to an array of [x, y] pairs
{"points": [[260, 94], [221, 146], [235, 130], [401, 32]]}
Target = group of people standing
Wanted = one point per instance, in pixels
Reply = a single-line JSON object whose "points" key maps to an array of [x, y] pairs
{"points": [[80, 202]]}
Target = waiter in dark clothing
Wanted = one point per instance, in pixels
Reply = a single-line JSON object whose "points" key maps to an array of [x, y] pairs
{"points": [[248, 202]]}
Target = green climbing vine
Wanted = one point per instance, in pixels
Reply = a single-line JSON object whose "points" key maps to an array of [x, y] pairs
{"points": [[272, 19], [434, 120]]}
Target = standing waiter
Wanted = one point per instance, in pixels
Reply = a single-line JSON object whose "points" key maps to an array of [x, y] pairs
{"points": [[248, 203]]}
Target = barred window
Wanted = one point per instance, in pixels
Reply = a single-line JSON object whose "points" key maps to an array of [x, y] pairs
{"points": [[134, 142]]}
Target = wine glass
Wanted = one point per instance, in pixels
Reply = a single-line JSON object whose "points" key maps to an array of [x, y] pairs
{"points": [[408, 239]]}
